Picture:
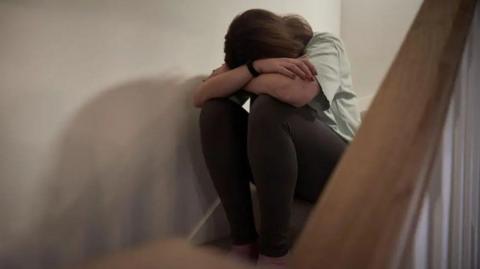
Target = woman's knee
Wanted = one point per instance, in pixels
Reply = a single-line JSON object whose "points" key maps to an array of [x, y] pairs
{"points": [[215, 110], [267, 110]]}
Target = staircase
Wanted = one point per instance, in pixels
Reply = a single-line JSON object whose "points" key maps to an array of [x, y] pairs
{"points": [[406, 192]]}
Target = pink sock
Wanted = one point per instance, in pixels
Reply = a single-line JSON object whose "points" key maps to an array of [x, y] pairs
{"points": [[246, 252], [273, 262]]}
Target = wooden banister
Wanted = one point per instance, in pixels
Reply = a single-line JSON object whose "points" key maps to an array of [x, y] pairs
{"points": [[370, 205]]}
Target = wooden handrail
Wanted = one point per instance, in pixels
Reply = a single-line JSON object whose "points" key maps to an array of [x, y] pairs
{"points": [[369, 208]]}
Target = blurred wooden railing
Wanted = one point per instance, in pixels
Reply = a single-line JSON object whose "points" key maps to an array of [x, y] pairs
{"points": [[368, 211], [367, 214]]}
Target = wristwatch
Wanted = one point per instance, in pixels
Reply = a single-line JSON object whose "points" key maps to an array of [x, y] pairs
{"points": [[252, 69]]}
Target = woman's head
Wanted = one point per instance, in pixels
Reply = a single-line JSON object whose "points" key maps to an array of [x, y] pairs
{"points": [[258, 33]]}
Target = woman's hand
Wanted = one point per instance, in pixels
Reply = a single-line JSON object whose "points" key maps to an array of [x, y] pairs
{"points": [[223, 68], [223, 82], [289, 67]]}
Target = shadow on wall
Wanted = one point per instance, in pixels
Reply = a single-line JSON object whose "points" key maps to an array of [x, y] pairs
{"points": [[129, 170]]}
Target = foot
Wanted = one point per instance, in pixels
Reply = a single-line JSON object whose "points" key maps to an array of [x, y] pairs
{"points": [[246, 252], [272, 262]]}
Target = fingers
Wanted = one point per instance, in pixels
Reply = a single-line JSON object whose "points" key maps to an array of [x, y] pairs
{"points": [[289, 67], [309, 64], [297, 70], [214, 73], [224, 67], [284, 71], [300, 63], [308, 74]]}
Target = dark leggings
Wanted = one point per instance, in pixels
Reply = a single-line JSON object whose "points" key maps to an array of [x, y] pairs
{"points": [[284, 150]]}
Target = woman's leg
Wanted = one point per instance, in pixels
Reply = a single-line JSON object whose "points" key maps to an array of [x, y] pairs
{"points": [[223, 128], [286, 143]]}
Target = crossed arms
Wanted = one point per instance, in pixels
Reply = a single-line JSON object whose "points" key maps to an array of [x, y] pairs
{"points": [[286, 79]]}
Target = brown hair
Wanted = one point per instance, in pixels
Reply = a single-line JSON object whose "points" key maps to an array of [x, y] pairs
{"points": [[259, 33]]}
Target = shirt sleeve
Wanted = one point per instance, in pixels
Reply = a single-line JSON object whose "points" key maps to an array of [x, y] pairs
{"points": [[324, 52]]}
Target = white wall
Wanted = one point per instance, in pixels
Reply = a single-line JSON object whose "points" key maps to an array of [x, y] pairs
{"points": [[99, 142], [373, 31]]}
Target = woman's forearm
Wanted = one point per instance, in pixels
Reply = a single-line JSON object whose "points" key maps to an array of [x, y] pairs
{"points": [[270, 84], [266, 84], [296, 92], [222, 85]]}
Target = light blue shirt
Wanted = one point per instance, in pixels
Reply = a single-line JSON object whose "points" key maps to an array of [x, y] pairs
{"points": [[337, 99]]}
